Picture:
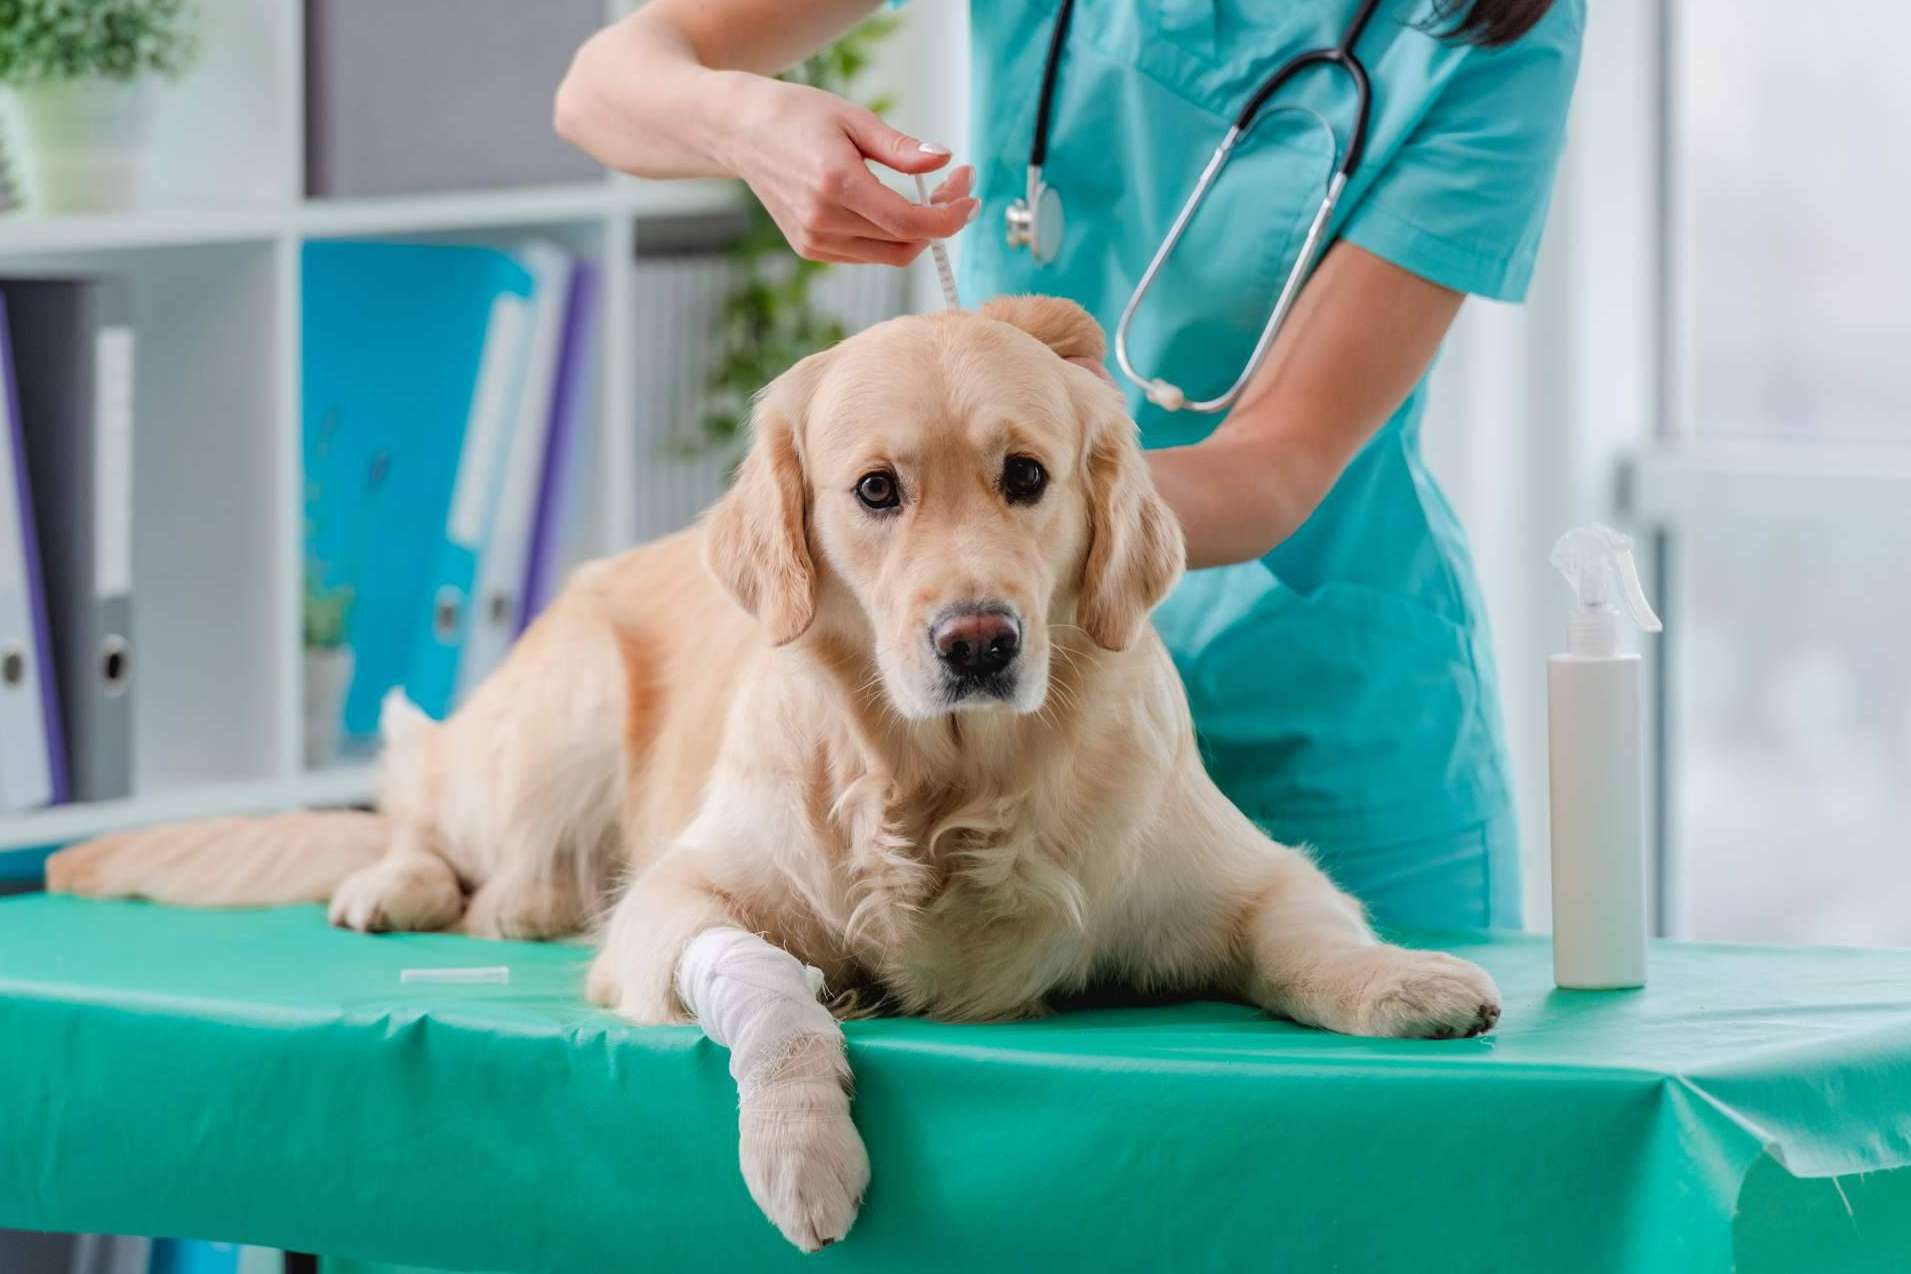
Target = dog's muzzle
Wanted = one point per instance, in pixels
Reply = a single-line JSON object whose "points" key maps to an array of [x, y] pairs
{"points": [[976, 646]]}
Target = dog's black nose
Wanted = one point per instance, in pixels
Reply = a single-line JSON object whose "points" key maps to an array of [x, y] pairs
{"points": [[977, 643]]}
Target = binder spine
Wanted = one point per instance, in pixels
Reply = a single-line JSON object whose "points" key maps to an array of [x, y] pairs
{"points": [[35, 768], [111, 671], [73, 357]]}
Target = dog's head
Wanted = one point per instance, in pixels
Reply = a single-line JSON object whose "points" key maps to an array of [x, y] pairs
{"points": [[948, 491]]}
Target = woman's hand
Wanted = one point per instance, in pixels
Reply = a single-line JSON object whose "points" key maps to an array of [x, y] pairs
{"points": [[679, 89], [804, 153]]}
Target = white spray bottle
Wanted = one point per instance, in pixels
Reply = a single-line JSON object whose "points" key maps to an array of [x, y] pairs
{"points": [[1597, 744]]}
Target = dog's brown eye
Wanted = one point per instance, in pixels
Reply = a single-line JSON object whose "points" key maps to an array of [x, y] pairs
{"points": [[878, 491], [1023, 480]]}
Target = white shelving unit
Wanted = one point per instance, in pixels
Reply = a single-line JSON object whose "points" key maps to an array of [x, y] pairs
{"points": [[218, 535]]}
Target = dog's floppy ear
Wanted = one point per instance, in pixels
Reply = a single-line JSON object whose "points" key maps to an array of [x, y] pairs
{"points": [[756, 538], [1135, 549], [1062, 325]]}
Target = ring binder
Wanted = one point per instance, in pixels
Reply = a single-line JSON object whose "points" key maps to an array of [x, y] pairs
{"points": [[72, 344]]}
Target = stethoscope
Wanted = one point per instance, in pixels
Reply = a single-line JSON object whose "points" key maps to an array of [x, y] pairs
{"points": [[1035, 221]]}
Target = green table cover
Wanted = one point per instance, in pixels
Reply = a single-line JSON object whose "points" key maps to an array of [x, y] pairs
{"points": [[259, 1076]]}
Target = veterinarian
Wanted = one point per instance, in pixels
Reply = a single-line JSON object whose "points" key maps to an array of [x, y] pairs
{"points": [[1335, 650]]}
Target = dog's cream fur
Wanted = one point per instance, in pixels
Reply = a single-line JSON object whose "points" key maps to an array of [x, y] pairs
{"points": [[748, 724]]}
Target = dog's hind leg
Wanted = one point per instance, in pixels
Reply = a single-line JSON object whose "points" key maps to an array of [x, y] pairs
{"points": [[553, 848], [536, 896], [411, 888]]}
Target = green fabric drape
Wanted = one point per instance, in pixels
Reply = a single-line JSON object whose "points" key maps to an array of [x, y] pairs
{"points": [[258, 1076]]}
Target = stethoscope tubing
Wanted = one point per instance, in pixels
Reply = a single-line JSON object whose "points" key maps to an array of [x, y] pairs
{"points": [[1341, 56], [1038, 147], [1169, 396]]}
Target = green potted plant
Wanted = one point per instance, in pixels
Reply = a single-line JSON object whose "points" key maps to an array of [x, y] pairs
{"points": [[328, 666], [83, 74]]}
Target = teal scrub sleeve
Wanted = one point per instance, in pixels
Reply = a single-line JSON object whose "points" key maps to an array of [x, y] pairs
{"points": [[1463, 201]]}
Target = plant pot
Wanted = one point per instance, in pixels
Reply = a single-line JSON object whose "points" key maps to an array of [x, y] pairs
{"points": [[86, 142], [328, 675]]}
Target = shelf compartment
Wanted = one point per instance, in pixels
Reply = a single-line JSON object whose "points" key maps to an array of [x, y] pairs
{"points": [[25, 236], [66, 824], [205, 515], [437, 214]]}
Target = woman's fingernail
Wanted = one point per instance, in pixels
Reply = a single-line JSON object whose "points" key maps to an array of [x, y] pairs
{"points": [[975, 206], [930, 148]]}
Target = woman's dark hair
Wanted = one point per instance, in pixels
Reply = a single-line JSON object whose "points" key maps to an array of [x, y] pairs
{"points": [[1489, 22]]}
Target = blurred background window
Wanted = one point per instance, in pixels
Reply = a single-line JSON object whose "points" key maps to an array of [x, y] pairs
{"points": [[1783, 140], [1791, 779], [1789, 743]]}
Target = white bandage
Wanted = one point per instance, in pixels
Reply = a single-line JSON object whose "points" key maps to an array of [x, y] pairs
{"points": [[753, 998]]}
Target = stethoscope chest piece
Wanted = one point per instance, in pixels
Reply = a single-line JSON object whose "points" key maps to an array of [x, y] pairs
{"points": [[1035, 221]]}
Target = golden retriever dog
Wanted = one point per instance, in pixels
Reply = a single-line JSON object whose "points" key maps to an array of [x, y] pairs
{"points": [[895, 705]]}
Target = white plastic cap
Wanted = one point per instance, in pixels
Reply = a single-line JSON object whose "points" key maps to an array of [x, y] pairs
{"points": [[1598, 565]]}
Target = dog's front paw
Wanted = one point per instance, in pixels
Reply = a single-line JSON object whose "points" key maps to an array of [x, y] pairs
{"points": [[1404, 994], [1427, 995], [801, 1155]]}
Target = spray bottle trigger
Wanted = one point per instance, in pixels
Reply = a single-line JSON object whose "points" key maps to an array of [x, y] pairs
{"points": [[1636, 604], [1597, 561]]}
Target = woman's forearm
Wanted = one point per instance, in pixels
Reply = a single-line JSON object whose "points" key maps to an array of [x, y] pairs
{"points": [[1237, 497], [638, 100], [1360, 338]]}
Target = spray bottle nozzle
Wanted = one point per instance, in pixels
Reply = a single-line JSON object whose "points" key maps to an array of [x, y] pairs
{"points": [[1597, 563]]}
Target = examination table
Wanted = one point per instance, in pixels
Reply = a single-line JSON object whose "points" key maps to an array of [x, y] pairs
{"points": [[259, 1076]]}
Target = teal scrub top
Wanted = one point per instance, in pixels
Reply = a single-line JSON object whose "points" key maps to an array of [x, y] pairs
{"points": [[1343, 687]]}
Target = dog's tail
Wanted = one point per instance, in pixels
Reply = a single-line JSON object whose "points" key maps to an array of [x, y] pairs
{"points": [[224, 862], [252, 862]]}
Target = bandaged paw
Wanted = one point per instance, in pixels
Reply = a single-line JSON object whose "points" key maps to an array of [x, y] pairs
{"points": [[753, 998], [800, 1153]]}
